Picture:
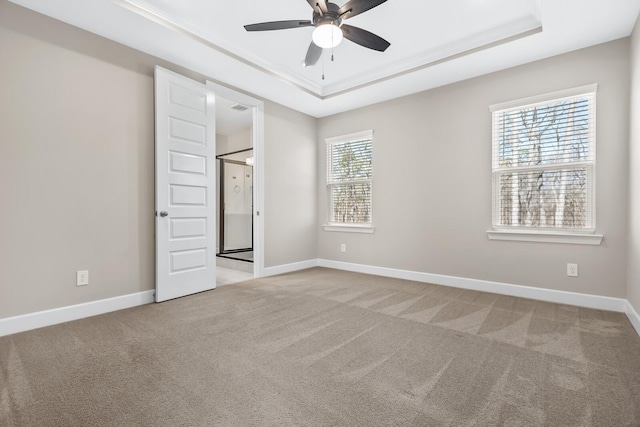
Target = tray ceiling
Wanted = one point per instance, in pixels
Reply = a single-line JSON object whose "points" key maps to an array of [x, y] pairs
{"points": [[432, 42]]}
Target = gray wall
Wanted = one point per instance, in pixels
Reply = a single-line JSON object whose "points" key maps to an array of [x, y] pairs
{"points": [[77, 167], [633, 280], [240, 140], [290, 193], [432, 179]]}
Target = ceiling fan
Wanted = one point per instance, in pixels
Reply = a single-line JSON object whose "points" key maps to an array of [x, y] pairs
{"points": [[327, 18]]}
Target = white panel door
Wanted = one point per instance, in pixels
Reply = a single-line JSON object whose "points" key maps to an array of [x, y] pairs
{"points": [[185, 186]]}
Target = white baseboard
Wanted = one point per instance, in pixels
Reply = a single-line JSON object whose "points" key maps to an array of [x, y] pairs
{"points": [[549, 295], [633, 316], [12, 325], [26, 322], [288, 268]]}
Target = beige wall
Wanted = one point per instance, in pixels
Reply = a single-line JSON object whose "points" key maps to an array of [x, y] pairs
{"points": [[291, 182], [221, 143], [240, 140], [77, 167], [432, 179], [633, 271]]}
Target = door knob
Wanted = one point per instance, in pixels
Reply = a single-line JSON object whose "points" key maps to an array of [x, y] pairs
{"points": [[164, 213]]}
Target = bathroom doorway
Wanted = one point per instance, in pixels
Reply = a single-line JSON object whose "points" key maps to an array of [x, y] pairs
{"points": [[240, 126], [238, 129]]}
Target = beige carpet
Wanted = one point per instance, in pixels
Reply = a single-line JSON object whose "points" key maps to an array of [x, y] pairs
{"points": [[327, 348]]}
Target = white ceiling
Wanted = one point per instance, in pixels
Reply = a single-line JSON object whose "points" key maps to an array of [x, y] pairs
{"points": [[432, 42], [230, 121]]}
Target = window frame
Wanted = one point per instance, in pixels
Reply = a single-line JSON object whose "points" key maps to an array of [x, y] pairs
{"points": [[355, 227], [546, 234]]}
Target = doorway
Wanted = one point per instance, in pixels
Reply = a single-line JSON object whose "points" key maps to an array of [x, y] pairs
{"points": [[239, 148], [230, 104]]}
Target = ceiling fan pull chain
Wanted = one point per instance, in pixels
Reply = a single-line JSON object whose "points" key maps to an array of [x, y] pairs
{"points": [[322, 67], [332, 46]]}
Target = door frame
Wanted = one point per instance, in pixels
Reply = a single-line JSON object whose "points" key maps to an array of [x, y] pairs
{"points": [[257, 107]]}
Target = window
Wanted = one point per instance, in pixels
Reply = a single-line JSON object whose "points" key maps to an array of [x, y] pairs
{"points": [[349, 167], [544, 164]]}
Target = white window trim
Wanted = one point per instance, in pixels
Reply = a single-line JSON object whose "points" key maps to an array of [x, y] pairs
{"points": [[545, 237], [350, 136], [578, 237], [350, 228], [544, 98], [345, 227]]}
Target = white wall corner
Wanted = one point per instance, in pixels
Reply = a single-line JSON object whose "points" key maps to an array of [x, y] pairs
{"points": [[549, 295], [288, 268], [633, 316], [40, 319]]}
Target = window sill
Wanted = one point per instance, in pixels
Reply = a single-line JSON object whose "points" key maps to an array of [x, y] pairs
{"points": [[545, 237], [351, 228]]}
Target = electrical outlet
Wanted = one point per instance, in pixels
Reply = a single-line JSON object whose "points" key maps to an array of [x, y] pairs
{"points": [[343, 247], [82, 278], [572, 270]]}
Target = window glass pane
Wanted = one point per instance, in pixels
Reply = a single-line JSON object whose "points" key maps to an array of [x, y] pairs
{"points": [[350, 161], [558, 132], [351, 203], [550, 198]]}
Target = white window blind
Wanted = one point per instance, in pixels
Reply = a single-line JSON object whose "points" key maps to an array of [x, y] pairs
{"points": [[349, 170], [544, 163]]}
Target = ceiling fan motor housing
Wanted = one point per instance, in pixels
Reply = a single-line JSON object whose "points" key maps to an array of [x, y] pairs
{"points": [[331, 17]]}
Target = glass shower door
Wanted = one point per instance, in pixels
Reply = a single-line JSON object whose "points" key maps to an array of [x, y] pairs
{"points": [[238, 207]]}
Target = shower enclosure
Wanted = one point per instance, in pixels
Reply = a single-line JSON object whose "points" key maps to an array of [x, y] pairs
{"points": [[236, 205]]}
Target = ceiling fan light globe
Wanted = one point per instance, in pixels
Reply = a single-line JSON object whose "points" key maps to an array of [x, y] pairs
{"points": [[327, 35]]}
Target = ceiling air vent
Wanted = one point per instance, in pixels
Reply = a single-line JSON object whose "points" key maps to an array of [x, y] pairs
{"points": [[239, 107]]}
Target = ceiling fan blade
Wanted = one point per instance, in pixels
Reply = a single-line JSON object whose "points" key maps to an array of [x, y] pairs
{"points": [[313, 54], [319, 6], [356, 7], [277, 25], [364, 38]]}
